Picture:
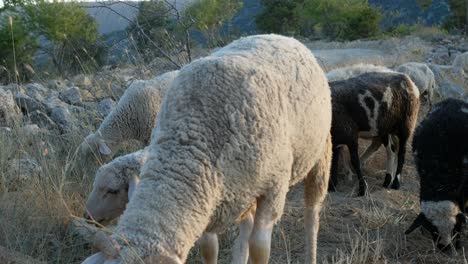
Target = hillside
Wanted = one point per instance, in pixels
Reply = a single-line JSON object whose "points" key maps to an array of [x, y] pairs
{"points": [[397, 11]]}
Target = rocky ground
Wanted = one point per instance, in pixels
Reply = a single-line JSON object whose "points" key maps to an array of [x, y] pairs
{"points": [[41, 124]]}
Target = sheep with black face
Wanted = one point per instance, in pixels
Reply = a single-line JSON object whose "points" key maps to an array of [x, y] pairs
{"points": [[440, 147]]}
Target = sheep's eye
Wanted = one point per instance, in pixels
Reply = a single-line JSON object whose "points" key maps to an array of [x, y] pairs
{"points": [[113, 191]]}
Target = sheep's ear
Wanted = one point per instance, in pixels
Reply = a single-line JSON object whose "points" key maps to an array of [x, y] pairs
{"points": [[417, 223], [132, 185], [98, 258], [103, 148]]}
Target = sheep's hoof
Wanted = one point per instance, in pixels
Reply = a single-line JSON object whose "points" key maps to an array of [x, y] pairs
{"points": [[362, 189], [388, 180], [396, 184]]}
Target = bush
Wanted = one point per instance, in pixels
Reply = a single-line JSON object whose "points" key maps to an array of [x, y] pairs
{"points": [[151, 26], [278, 16], [456, 21], [335, 19], [74, 44], [342, 20], [17, 47], [209, 16]]}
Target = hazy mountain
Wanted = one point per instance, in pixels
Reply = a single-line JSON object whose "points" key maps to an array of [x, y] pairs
{"points": [[396, 12]]}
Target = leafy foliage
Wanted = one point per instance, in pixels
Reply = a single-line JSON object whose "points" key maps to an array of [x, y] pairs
{"points": [[278, 16], [151, 26], [337, 19], [457, 19], [208, 16], [16, 47], [71, 32]]}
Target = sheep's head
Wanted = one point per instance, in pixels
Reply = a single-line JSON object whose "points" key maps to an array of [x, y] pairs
{"points": [[110, 252], [95, 145], [112, 189], [444, 220]]}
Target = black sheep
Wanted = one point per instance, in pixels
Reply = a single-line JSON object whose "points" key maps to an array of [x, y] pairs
{"points": [[440, 147]]}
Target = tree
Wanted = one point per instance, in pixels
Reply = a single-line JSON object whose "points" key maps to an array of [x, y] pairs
{"points": [[210, 15], [278, 16], [17, 47], [71, 34], [151, 27]]}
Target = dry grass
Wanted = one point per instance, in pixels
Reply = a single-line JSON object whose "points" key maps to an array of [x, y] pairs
{"points": [[35, 217]]}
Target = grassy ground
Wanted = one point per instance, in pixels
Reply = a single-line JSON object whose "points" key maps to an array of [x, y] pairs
{"points": [[35, 215]]}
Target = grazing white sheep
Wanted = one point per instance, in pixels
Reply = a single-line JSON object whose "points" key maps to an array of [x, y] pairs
{"points": [[353, 71], [132, 118], [236, 128], [113, 187], [422, 76]]}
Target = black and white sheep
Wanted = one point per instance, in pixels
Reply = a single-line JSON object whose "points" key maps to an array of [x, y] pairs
{"points": [[236, 128], [440, 147], [376, 105]]}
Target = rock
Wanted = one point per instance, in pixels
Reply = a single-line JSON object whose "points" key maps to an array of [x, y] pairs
{"points": [[105, 106], [12, 87], [82, 80], [71, 96], [36, 91], [28, 104], [52, 101], [6, 132], [63, 118], [21, 171], [56, 85], [449, 90], [10, 114], [42, 120], [32, 130]]}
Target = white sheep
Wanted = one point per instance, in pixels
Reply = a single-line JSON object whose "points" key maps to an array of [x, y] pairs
{"points": [[235, 129], [422, 76], [113, 187], [353, 71], [132, 118]]}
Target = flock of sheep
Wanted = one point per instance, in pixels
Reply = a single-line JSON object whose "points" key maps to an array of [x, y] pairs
{"points": [[230, 133]]}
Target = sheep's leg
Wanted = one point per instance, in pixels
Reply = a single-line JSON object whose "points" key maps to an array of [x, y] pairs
{"points": [[209, 248], [373, 147], [353, 152], [401, 160], [334, 170], [269, 209], [315, 186], [346, 164], [391, 147], [240, 253]]}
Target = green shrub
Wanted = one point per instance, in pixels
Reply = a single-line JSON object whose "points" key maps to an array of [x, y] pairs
{"points": [[278, 16], [209, 16], [17, 47], [338, 19], [71, 31], [335, 19]]}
